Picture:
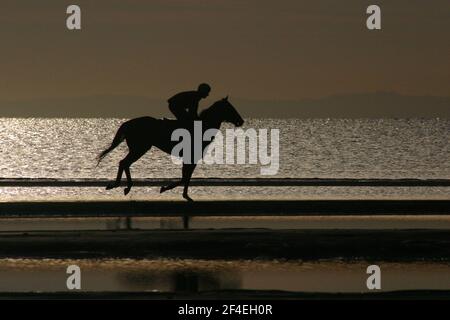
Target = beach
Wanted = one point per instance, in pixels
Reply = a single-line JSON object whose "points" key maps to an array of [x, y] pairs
{"points": [[386, 245]]}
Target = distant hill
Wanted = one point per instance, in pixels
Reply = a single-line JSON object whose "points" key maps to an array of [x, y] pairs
{"points": [[365, 105]]}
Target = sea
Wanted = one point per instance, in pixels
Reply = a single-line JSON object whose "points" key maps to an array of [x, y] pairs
{"points": [[61, 149]]}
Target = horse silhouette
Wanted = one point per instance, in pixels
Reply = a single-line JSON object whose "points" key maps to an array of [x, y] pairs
{"points": [[144, 132]]}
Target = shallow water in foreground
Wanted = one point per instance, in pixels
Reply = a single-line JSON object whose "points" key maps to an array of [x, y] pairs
{"points": [[165, 275], [368, 222]]}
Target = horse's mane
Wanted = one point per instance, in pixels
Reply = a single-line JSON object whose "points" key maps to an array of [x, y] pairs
{"points": [[210, 110]]}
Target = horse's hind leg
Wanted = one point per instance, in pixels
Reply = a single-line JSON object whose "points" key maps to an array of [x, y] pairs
{"points": [[132, 157], [171, 186], [116, 183]]}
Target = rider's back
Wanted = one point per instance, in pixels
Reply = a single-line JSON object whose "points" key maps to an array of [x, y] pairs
{"points": [[184, 99]]}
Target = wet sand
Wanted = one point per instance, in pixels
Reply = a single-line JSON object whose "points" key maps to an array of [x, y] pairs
{"points": [[376, 222], [386, 245], [218, 208], [232, 294], [351, 244]]}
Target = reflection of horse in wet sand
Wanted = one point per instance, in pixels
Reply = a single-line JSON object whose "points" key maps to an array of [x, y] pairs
{"points": [[143, 133]]}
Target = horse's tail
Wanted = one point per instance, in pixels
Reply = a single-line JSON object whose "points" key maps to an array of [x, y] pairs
{"points": [[118, 138]]}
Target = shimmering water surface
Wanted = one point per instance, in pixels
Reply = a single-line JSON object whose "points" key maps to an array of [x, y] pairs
{"points": [[333, 148]]}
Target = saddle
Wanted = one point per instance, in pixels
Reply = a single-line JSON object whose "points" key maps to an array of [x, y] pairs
{"points": [[177, 123]]}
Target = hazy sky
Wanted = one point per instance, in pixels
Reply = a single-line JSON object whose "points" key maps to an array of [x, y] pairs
{"points": [[254, 49]]}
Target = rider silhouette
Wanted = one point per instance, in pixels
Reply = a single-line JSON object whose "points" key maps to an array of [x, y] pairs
{"points": [[184, 105]]}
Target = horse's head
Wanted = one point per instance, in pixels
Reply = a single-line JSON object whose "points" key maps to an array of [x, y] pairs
{"points": [[229, 113]]}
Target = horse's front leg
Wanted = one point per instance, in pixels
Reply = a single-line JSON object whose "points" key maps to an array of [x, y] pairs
{"points": [[129, 181], [188, 169]]}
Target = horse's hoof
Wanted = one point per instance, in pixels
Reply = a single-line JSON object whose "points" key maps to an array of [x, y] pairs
{"points": [[163, 189], [189, 199], [126, 190], [111, 186]]}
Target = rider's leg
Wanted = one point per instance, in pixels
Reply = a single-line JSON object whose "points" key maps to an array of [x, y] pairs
{"points": [[177, 112], [180, 114]]}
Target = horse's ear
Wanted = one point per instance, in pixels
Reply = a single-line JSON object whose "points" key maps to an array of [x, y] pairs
{"points": [[226, 98]]}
